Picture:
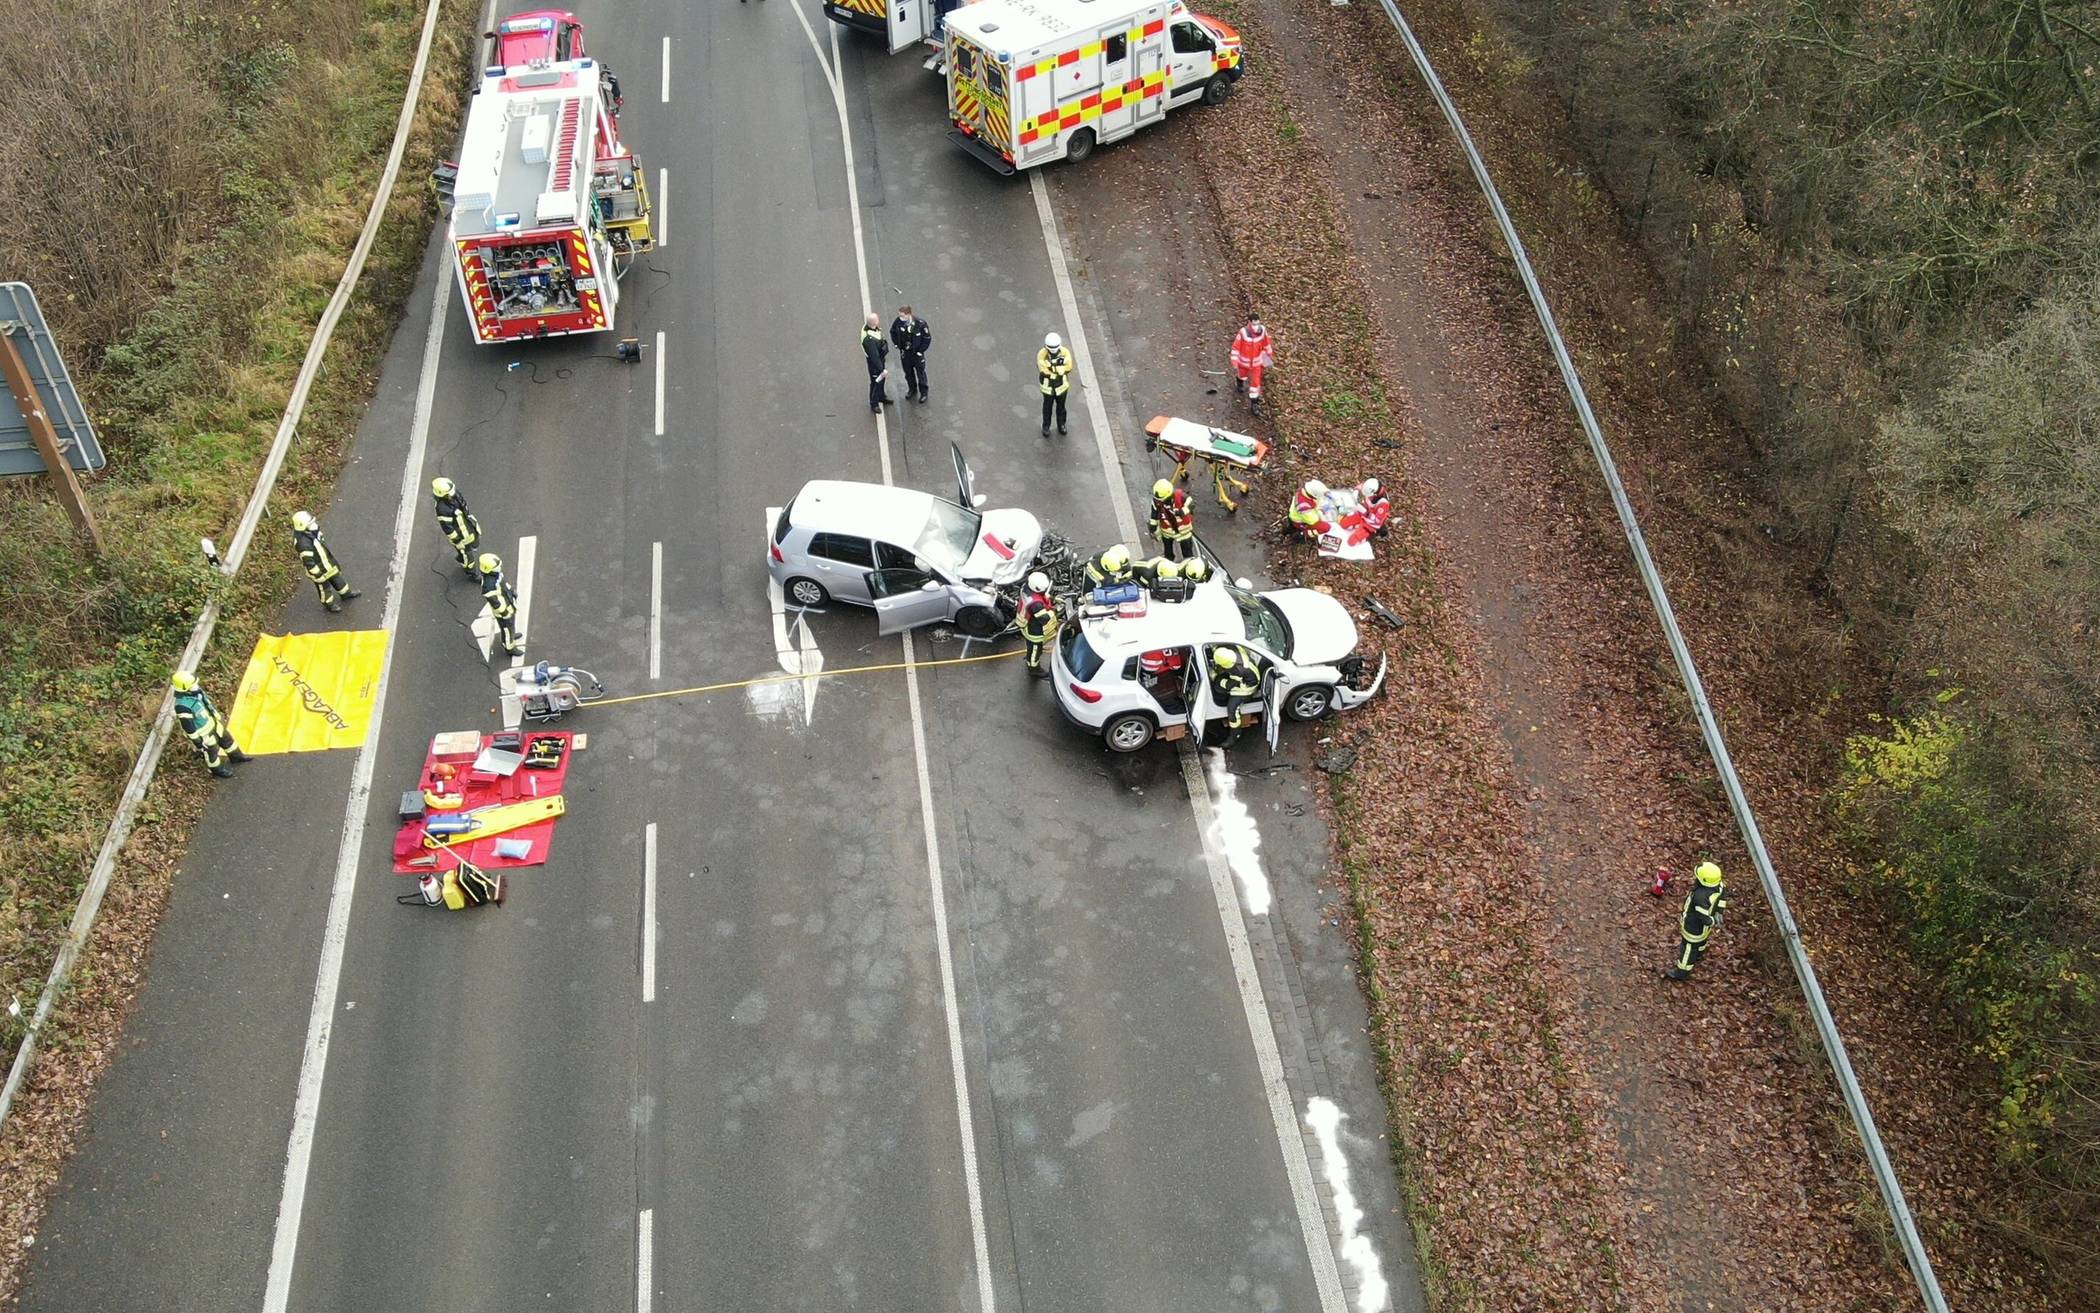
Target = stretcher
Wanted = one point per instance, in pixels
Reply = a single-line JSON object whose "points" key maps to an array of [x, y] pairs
{"points": [[1221, 449]]}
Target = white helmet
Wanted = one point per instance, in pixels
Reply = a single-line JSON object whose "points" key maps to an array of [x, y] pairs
{"points": [[1038, 582], [1052, 340], [1315, 489], [304, 521], [1372, 486]]}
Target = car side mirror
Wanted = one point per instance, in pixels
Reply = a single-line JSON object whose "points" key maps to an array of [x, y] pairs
{"points": [[978, 500], [1244, 582], [930, 586]]}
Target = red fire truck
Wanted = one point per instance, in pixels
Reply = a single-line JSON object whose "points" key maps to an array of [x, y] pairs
{"points": [[548, 205]]}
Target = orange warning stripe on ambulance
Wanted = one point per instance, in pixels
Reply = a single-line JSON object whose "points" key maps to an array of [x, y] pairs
{"points": [[1093, 106], [1087, 51]]}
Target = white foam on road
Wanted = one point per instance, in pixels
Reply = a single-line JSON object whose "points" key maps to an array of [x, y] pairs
{"points": [[1233, 830], [1357, 1250]]}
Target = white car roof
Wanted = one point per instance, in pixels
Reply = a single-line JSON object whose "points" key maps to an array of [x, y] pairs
{"points": [[1209, 616], [1019, 28], [864, 510]]}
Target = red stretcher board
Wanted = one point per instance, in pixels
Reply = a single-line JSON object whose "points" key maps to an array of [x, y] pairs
{"points": [[413, 857]]}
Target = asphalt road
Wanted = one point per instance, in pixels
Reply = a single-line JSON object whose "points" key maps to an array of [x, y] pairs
{"points": [[506, 1122]]}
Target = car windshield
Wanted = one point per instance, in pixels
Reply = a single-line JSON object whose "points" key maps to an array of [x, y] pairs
{"points": [[949, 535], [1265, 624], [1080, 657]]}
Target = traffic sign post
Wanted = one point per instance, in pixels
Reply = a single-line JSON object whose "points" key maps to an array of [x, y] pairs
{"points": [[39, 388]]}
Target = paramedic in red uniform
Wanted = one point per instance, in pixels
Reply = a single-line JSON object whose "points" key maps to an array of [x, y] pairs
{"points": [[1252, 352]]}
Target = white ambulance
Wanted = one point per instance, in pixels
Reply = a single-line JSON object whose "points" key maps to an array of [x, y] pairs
{"points": [[1036, 80]]}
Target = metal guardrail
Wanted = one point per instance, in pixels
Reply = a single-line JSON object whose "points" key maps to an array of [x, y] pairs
{"points": [[83, 922], [1746, 820]]}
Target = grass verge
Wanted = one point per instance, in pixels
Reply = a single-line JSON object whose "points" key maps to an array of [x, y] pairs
{"points": [[188, 402]]}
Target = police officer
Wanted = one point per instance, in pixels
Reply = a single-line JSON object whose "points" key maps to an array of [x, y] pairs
{"points": [[1109, 566], [503, 602], [1173, 521], [1037, 617], [1053, 373], [913, 339], [202, 725], [877, 351], [1235, 680], [461, 529], [1699, 919], [320, 563]]}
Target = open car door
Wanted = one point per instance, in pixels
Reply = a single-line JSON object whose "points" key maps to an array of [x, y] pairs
{"points": [[911, 21], [906, 599], [1197, 696], [1271, 708], [965, 479]]}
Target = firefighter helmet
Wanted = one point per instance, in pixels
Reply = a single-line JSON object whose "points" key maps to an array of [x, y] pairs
{"points": [[1116, 558], [442, 487], [1708, 873], [1223, 658], [304, 521], [1315, 489], [1166, 569], [489, 563], [1038, 582], [1052, 341], [182, 681], [1195, 569], [1162, 490]]}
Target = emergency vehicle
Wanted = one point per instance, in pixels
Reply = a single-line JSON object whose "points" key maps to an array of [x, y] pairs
{"points": [[898, 22], [1036, 80], [548, 204]]}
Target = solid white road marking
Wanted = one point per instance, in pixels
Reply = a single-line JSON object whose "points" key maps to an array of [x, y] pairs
{"points": [[1319, 1245], [656, 610], [1371, 1287], [645, 1261], [313, 1062], [797, 653], [528, 553], [660, 224], [649, 913], [965, 1122], [659, 382], [484, 631], [812, 662], [667, 71], [513, 710]]}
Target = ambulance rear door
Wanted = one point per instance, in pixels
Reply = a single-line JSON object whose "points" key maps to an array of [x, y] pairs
{"points": [[911, 21]]}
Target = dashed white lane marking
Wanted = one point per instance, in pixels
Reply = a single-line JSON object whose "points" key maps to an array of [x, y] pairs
{"points": [[1319, 1245], [965, 1122], [649, 913], [667, 71], [656, 610], [320, 1025], [659, 382], [645, 1261], [661, 224], [528, 554]]}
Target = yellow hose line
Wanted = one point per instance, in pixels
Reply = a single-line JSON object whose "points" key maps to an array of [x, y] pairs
{"points": [[790, 679]]}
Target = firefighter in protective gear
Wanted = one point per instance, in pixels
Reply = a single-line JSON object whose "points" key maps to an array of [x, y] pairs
{"points": [[320, 563], [1307, 509], [1109, 566], [461, 529], [201, 724], [1699, 919], [1235, 680], [1053, 373], [1173, 521], [1253, 351], [503, 602], [1159, 576], [1195, 569], [1037, 617]]}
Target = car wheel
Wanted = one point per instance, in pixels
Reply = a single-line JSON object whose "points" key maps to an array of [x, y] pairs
{"points": [[806, 592], [978, 621], [1309, 703], [1215, 90], [1080, 146], [1129, 732]]}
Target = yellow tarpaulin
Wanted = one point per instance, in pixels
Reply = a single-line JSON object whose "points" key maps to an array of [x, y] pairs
{"points": [[308, 692]]}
